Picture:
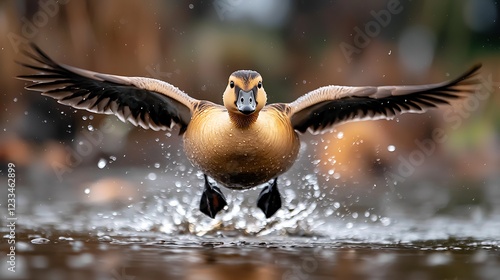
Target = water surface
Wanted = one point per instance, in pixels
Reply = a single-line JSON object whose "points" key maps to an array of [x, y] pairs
{"points": [[322, 232]]}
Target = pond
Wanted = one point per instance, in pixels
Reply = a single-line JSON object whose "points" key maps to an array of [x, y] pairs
{"points": [[320, 234]]}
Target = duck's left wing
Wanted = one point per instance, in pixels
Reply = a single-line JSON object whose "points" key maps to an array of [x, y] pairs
{"points": [[144, 102], [321, 109]]}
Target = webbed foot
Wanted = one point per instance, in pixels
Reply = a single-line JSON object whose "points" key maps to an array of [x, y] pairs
{"points": [[269, 200], [212, 199]]}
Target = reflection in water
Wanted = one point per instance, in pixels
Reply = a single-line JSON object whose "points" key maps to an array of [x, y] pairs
{"points": [[133, 255]]}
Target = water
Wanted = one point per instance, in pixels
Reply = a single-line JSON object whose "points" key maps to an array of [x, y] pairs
{"points": [[133, 255], [150, 228]]}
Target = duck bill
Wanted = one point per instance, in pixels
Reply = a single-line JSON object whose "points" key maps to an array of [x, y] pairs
{"points": [[245, 102]]}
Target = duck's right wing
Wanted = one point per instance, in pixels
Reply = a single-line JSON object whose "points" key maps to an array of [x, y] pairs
{"points": [[144, 102]]}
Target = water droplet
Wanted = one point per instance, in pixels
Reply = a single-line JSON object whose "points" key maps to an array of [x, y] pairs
{"points": [[90, 127], [391, 148], [157, 165], [304, 82], [64, 238], [152, 176], [191, 6], [87, 191], [340, 135], [390, 51], [105, 238], [102, 163], [15, 99], [329, 212], [385, 221], [40, 240]]}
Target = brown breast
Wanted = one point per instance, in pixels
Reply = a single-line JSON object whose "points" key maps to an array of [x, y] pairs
{"points": [[241, 157]]}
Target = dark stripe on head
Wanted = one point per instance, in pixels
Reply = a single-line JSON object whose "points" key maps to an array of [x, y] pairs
{"points": [[246, 75]]}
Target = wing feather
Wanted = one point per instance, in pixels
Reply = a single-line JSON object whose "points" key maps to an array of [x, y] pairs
{"points": [[144, 102], [321, 109]]}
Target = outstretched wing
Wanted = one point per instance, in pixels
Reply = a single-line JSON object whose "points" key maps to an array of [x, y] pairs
{"points": [[144, 102], [321, 109]]}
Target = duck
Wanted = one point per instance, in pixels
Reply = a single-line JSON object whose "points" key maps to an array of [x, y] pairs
{"points": [[244, 142]]}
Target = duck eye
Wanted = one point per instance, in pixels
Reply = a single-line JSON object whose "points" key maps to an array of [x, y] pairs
{"points": [[259, 85], [231, 84]]}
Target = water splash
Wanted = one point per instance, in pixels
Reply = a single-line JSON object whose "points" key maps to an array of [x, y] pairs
{"points": [[175, 211]]}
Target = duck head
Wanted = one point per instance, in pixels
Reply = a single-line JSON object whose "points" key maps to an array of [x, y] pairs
{"points": [[244, 94]]}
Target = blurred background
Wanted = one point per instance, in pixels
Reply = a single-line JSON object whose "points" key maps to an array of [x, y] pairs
{"points": [[416, 197], [297, 46]]}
